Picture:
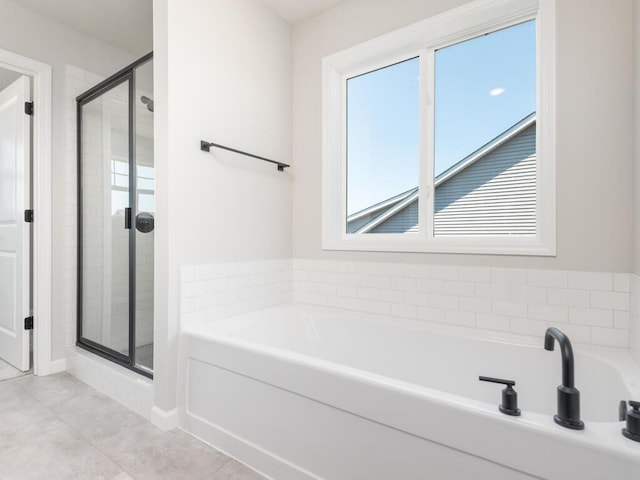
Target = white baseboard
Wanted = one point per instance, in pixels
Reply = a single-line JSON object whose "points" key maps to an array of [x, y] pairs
{"points": [[58, 366], [164, 420]]}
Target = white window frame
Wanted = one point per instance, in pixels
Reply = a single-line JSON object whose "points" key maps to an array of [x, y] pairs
{"points": [[422, 39]]}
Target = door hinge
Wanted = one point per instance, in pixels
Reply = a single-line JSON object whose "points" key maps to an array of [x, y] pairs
{"points": [[28, 323], [28, 216], [28, 108]]}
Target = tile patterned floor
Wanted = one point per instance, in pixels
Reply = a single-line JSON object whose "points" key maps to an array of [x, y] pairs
{"points": [[58, 428]]}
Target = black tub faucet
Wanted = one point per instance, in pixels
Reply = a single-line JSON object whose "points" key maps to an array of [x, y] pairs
{"points": [[568, 396]]}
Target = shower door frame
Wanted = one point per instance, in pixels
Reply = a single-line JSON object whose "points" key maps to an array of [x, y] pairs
{"points": [[118, 78]]}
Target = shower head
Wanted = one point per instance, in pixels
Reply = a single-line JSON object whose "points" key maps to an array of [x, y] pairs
{"points": [[148, 102]]}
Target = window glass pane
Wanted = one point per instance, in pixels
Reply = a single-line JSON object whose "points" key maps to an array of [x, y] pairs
{"points": [[145, 184], [383, 149], [485, 135]]}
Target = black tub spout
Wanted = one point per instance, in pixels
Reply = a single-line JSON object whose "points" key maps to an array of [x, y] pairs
{"points": [[568, 396]]}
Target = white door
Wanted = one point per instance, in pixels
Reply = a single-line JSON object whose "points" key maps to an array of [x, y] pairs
{"points": [[15, 175]]}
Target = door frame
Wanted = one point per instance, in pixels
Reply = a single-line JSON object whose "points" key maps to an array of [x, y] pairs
{"points": [[41, 75]]}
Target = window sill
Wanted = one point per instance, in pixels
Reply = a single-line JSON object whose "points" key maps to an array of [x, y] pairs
{"points": [[449, 245]]}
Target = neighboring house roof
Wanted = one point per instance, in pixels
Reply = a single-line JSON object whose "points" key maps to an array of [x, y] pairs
{"points": [[512, 158]]}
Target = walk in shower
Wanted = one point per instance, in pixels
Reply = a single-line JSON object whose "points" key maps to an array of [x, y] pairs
{"points": [[116, 183]]}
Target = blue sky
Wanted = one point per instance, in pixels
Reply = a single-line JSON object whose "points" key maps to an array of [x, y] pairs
{"points": [[482, 87]]}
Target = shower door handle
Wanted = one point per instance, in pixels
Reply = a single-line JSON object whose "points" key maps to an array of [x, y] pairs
{"points": [[127, 218]]}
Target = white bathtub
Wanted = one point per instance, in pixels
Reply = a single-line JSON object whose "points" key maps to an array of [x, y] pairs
{"points": [[301, 392]]}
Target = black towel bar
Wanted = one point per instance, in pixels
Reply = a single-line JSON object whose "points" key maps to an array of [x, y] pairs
{"points": [[205, 147]]}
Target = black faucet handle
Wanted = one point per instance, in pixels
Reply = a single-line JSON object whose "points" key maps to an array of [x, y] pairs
{"points": [[635, 405], [509, 383], [509, 405]]}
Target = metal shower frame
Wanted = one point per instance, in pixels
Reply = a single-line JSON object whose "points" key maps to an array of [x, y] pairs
{"points": [[122, 76]]}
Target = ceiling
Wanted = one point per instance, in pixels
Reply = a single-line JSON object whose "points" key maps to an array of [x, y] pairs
{"points": [[294, 11], [126, 24]]}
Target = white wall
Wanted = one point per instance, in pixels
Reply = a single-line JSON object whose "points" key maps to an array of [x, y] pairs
{"points": [[636, 140], [635, 283], [35, 36], [222, 74], [594, 117]]}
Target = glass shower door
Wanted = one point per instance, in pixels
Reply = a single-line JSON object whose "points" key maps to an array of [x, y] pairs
{"points": [[104, 201], [116, 208]]}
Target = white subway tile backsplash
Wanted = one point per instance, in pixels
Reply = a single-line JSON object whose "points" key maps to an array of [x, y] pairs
{"points": [[475, 274], [547, 278], [464, 319], [379, 281], [577, 333], [430, 285], [590, 281], [193, 289], [461, 289], [590, 316], [621, 282], [403, 310], [357, 279], [349, 291], [239, 282], [392, 296], [492, 291], [368, 293], [548, 313], [187, 305], [336, 302], [488, 321], [379, 308], [300, 275], [328, 277], [448, 302], [357, 304], [527, 326], [412, 270], [473, 304], [520, 293], [613, 300], [609, 337], [430, 314], [509, 276], [346, 267], [443, 272], [568, 297], [404, 284], [622, 320], [589, 307], [509, 308], [326, 266], [415, 298]]}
